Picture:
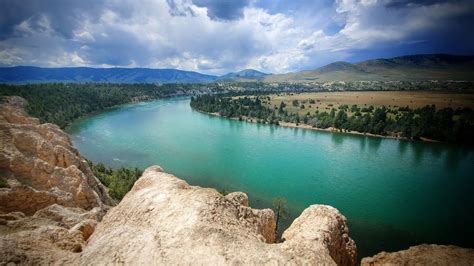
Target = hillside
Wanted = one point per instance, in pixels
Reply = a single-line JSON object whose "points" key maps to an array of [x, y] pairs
{"points": [[246, 74], [22, 74], [404, 68]]}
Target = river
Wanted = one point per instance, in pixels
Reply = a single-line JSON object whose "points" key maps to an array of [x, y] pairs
{"points": [[395, 193]]}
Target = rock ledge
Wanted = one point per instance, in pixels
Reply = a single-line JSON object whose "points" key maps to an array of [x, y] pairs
{"points": [[163, 220]]}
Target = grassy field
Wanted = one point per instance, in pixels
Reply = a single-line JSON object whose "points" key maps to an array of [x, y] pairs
{"points": [[324, 101]]}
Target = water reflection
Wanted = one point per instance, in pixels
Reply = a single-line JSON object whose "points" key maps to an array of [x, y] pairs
{"points": [[402, 147], [337, 139], [455, 156], [362, 143], [303, 132], [236, 126], [374, 144], [295, 131], [418, 151], [436, 150]]}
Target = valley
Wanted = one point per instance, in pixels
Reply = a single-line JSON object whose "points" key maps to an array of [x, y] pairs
{"points": [[237, 132]]}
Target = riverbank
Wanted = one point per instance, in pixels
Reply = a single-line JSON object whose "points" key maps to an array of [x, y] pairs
{"points": [[330, 129]]}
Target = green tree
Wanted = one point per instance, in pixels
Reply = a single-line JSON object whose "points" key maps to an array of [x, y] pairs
{"points": [[279, 207], [281, 109]]}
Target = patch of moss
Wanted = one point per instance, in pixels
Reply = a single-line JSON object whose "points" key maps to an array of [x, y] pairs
{"points": [[3, 183]]}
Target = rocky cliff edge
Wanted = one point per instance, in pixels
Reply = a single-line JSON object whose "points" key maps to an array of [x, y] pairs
{"points": [[50, 201], [164, 220]]}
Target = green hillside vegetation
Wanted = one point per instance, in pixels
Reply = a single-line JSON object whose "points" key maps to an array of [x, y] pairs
{"points": [[447, 124], [118, 181], [405, 68], [243, 76], [61, 103]]}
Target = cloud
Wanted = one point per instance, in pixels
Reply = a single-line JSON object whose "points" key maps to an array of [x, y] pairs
{"points": [[215, 9], [371, 24], [223, 10], [64, 16], [220, 36]]}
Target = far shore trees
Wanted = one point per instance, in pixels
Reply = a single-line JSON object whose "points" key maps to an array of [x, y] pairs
{"points": [[447, 124]]}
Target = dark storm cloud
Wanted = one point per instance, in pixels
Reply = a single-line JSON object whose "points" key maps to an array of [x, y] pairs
{"points": [[411, 3], [216, 9], [223, 9], [64, 15]]}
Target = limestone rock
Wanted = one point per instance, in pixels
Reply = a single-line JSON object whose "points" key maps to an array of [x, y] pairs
{"points": [[321, 230], [41, 239], [53, 201], [424, 255], [238, 198], [163, 220], [42, 166]]}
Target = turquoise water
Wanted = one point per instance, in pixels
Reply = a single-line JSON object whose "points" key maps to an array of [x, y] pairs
{"points": [[394, 193]]}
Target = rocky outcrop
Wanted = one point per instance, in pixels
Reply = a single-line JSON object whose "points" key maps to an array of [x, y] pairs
{"points": [[41, 165], [51, 202], [321, 229], [163, 220], [424, 255]]}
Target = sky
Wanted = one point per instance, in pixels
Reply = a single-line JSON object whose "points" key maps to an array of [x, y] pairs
{"points": [[219, 36]]}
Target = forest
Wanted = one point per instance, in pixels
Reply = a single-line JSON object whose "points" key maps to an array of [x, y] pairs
{"points": [[61, 103], [118, 181], [447, 124]]}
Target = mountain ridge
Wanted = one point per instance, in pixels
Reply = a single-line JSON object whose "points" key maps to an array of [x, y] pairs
{"points": [[402, 68], [245, 74], [31, 74]]}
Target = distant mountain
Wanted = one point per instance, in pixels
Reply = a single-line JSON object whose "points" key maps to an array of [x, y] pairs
{"points": [[244, 74], [405, 68], [23, 74]]}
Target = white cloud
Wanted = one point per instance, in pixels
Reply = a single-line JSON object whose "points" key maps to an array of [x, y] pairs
{"points": [[210, 38]]}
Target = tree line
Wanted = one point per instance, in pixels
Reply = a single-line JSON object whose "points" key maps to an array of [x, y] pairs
{"points": [[447, 124], [61, 103]]}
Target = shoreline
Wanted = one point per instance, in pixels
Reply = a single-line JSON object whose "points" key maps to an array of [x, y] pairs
{"points": [[68, 128], [70, 124], [329, 130]]}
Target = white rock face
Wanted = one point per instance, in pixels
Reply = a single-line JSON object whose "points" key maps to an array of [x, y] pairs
{"points": [[42, 166], [163, 220], [53, 201]]}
